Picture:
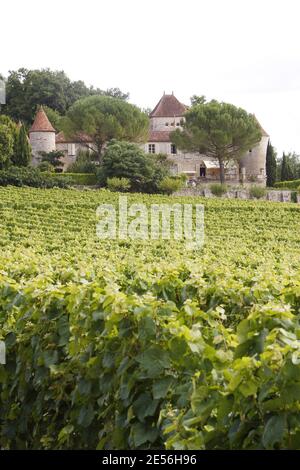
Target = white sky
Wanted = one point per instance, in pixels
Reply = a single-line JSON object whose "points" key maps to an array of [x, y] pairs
{"points": [[243, 52]]}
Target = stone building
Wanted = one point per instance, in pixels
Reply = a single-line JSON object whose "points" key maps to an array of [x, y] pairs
{"points": [[41, 136], [165, 117]]}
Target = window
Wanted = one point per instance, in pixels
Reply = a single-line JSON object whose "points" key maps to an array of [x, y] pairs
{"points": [[71, 150], [173, 149], [178, 124], [167, 124], [250, 150], [151, 148]]}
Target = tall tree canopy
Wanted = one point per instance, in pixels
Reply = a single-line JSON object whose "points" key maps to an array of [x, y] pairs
{"points": [[103, 118], [286, 170], [219, 130], [271, 165], [22, 153], [26, 89], [8, 138]]}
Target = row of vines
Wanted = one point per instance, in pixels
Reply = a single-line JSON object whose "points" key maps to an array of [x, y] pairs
{"points": [[121, 344]]}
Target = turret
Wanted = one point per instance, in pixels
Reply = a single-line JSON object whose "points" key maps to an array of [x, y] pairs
{"points": [[253, 163], [41, 136]]}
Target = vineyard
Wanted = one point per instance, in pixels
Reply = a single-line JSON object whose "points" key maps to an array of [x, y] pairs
{"points": [[122, 344]]}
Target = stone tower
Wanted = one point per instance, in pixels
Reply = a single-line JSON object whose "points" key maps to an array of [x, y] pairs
{"points": [[253, 163], [41, 136]]}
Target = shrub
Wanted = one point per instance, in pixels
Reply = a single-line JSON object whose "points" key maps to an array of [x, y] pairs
{"points": [[118, 184], [80, 179], [127, 160], [46, 166], [257, 192], [218, 189], [54, 158], [83, 163], [170, 185], [294, 196], [27, 176], [293, 184]]}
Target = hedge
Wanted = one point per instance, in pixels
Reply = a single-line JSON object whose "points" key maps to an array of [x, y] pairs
{"points": [[33, 177], [293, 184], [80, 179]]}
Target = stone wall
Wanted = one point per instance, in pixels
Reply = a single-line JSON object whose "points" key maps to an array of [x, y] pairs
{"points": [[273, 196]]}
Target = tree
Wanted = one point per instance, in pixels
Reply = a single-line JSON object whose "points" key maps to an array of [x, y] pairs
{"points": [[220, 130], [116, 93], [286, 170], [22, 154], [53, 157], [6, 146], [271, 165], [104, 118], [292, 163], [26, 89], [127, 160], [8, 137], [195, 99], [54, 117]]}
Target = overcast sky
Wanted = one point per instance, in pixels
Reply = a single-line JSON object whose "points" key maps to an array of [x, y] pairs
{"points": [[243, 52]]}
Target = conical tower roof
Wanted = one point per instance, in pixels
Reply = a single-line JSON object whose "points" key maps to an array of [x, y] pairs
{"points": [[168, 106], [41, 122]]}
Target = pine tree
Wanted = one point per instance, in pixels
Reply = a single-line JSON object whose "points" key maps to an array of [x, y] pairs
{"points": [[271, 165], [23, 150]]}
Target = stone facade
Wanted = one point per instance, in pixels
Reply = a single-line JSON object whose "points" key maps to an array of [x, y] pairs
{"points": [[167, 115], [41, 142]]}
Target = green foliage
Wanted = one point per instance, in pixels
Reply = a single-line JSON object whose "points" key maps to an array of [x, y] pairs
{"points": [[8, 139], [218, 189], [286, 169], [83, 163], [127, 160], [46, 166], [22, 153], [126, 344], [257, 192], [220, 130], [293, 184], [54, 158], [118, 184], [104, 118], [27, 176], [78, 179], [6, 146], [271, 165], [195, 100], [54, 117], [169, 185], [27, 89]]}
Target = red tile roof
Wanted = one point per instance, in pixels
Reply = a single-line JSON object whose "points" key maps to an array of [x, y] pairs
{"points": [[41, 122], [159, 136], [79, 138], [168, 106]]}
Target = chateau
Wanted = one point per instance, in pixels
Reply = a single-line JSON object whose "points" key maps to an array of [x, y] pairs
{"points": [[165, 117]]}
